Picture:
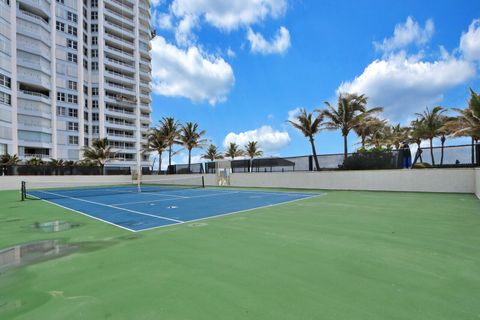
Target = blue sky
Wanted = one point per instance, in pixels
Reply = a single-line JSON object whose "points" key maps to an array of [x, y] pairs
{"points": [[239, 68]]}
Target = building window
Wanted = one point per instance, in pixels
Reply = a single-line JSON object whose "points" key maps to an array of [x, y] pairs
{"points": [[94, 53], [72, 30], [94, 91], [85, 64], [5, 81], [60, 26], [72, 98], [73, 140], [61, 1], [94, 65], [72, 44], [85, 115], [94, 41], [72, 85], [95, 117], [94, 15], [72, 57], [72, 16], [94, 27], [94, 104], [72, 126], [5, 98], [95, 129], [60, 96], [94, 3], [72, 113], [61, 111], [85, 90]]}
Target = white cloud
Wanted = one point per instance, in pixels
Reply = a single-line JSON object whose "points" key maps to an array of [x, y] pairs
{"points": [[189, 73], [229, 15], [162, 20], [406, 34], [278, 45], [231, 53], [404, 85], [470, 41], [292, 114], [269, 140], [183, 33]]}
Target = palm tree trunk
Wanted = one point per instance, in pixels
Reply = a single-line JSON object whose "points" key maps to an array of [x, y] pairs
{"points": [[314, 152], [189, 159], [473, 150], [170, 155], [159, 162], [431, 151], [363, 142], [443, 146], [345, 147], [419, 148]]}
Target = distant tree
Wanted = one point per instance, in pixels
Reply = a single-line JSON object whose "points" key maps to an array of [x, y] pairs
{"points": [[212, 153], [100, 152], [367, 127], [417, 134], [158, 142], [7, 159], [309, 125], [191, 138], [234, 151], [433, 121], [351, 110], [170, 129], [35, 162], [57, 162], [252, 149]]}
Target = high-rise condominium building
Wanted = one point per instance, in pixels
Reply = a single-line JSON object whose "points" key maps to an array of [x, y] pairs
{"points": [[72, 71]]}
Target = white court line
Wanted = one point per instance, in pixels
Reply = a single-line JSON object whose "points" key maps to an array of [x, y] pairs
{"points": [[83, 213], [114, 207], [202, 196], [230, 213]]}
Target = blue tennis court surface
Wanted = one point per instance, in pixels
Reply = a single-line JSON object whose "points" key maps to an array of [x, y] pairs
{"points": [[137, 211]]}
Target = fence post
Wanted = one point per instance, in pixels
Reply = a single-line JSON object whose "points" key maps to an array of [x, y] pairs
{"points": [[477, 153]]}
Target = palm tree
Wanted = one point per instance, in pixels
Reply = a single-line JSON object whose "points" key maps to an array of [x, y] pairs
{"points": [[417, 132], [367, 127], [100, 152], [57, 162], [433, 121], [309, 125], [170, 129], [212, 153], [399, 135], [468, 121], [157, 141], [234, 151], [35, 162], [252, 149], [351, 110], [191, 138], [7, 159]]}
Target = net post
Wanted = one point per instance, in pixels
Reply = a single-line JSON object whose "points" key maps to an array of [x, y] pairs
{"points": [[23, 190], [203, 182]]}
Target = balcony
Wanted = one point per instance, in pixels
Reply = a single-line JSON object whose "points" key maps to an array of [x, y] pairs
{"points": [[36, 64], [122, 5], [119, 53], [119, 18], [119, 41], [119, 88], [34, 108], [33, 18], [119, 77], [34, 47], [42, 6], [118, 27], [32, 31], [127, 101], [33, 77], [34, 96], [119, 113], [119, 65]]}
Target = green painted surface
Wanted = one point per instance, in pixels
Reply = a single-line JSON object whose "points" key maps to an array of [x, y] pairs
{"points": [[345, 255]]}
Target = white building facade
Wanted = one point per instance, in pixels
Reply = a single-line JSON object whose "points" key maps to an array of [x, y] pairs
{"points": [[72, 71]]}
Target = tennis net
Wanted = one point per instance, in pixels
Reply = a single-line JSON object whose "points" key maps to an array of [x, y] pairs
{"points": [[45, 190]]}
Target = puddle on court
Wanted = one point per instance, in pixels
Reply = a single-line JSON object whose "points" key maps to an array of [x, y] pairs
{"points": [[33, 252], [55, 226]]}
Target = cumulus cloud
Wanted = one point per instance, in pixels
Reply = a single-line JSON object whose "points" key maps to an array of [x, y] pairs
{"points": [[278, 45], [403, 85], [470, 41], [189, 73], [229, 15], [269, 140], [406, 34]]}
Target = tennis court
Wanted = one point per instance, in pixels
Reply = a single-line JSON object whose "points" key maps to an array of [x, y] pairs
{"points": [[154, 204]]}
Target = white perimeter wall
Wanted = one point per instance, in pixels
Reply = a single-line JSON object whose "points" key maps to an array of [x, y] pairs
{"points": [[424, 180]]}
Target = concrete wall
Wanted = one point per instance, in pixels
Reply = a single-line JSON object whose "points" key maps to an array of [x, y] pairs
{"points": [[425, 180]]}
